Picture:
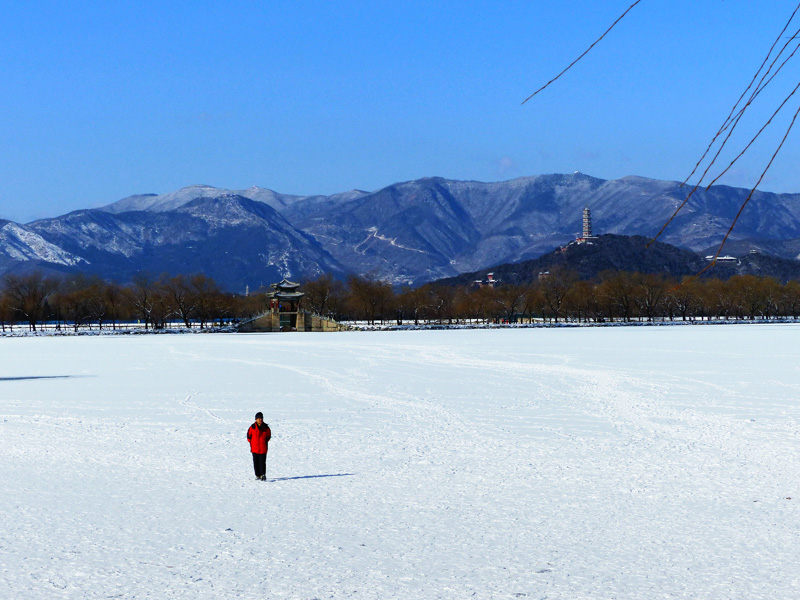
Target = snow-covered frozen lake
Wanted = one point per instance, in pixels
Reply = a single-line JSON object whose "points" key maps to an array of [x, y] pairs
{"points": [[635, 463]]}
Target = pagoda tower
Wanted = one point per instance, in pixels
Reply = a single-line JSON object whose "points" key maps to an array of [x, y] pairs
{"points": [[587, 223]]}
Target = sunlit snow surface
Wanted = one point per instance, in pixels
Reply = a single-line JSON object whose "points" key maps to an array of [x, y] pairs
{"points": [[640, 462]]}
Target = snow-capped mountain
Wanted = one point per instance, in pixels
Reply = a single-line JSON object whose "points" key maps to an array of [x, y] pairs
{"points": [[236, 240], [408, 232]]}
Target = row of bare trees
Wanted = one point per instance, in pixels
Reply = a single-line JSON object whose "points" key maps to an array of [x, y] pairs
{"points": [[197, 301], [559, 296], [81, 301]]}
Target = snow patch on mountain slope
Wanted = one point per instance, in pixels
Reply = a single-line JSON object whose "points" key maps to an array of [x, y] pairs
{"points": [[21, 244], [223, 211], [270, 198], [164, 202], [183, 196], [374, 235]]}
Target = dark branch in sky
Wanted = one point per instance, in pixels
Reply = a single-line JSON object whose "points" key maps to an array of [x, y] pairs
{"points": [[572, 64]]}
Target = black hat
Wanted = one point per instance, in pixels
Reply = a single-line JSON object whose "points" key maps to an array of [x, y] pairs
{"points": [[259, 415]]}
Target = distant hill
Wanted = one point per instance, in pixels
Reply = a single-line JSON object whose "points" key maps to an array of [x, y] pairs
{"points": [[630, 253]]}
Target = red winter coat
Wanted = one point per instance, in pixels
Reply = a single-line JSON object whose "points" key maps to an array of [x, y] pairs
{"points": [[258, 438]]}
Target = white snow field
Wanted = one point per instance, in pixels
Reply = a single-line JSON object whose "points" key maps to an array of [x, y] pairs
{"points": [[630, 462]]}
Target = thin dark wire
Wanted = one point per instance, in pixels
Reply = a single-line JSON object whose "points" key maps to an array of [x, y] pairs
{"points": [[761, 86], [760, 179], [731, 125], [572, 64], [728, 119], [759, 89], [749, 197], [760, 131], [672, 218]]}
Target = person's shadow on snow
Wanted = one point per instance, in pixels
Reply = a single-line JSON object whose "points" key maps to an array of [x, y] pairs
{"points": [[311, 477], [25, 378]]}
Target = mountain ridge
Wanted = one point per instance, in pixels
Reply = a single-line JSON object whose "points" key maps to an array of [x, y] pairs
{"points": [[406, 233]]}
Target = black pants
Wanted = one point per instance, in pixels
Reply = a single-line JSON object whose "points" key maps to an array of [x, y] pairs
{"points": [[259, 464]]}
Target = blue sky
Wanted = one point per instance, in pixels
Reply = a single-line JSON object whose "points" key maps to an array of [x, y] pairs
{"points": [[104, 100]]}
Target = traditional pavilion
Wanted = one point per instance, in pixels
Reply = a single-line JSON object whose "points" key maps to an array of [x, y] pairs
{"points": [[285, 313], [285, 301]]}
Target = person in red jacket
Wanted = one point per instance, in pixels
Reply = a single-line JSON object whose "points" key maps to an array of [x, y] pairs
{"points": [[258, 435]]}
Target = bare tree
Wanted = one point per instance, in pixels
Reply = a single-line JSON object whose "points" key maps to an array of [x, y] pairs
{"points": [[178, 293], [476, 304], [685, 298], [716, 299], [442, 302], [748, 294], [224, 307], [28, 295], [370, 297], [79, 298], [323, 294], [412, 303], [161, 308], [652, 294], [113, 300], [555, 286], [509, 300], [583, 302], [250, 306], [140, 296], [772, 294], [6, 312], [790, 299], [205, 293], [618, 293]]}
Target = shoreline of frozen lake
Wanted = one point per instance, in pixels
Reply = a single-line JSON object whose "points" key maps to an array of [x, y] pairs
{"points": [[613, 462], [122, 329]]}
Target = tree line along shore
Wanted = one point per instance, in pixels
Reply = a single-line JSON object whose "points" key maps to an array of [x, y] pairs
{"points": [[76, 302]]}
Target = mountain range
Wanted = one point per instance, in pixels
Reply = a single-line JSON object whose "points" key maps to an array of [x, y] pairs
{"points": [[407, 233]]}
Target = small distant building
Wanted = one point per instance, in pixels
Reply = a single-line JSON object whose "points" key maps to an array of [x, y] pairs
{"points": [[285, 313], [723, 259], [490, 281]]}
